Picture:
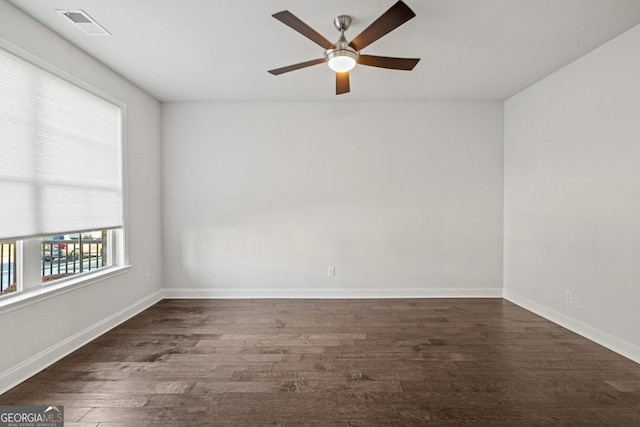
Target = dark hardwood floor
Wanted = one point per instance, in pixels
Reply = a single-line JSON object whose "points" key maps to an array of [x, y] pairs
{"points": [[478, 362]]}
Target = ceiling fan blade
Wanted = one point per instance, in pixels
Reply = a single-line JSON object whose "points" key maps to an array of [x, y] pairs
{"points": [[342, 83], [290, 20], [294, 67], [397, 15], [388, 62]]}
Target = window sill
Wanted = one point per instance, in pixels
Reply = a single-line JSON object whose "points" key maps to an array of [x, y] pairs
{"points": [[21, 299]]}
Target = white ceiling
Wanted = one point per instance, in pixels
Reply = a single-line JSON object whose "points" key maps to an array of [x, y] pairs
{"points": [[181, 50]]}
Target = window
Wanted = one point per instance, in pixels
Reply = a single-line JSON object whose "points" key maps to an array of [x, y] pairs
{"points": [[61, 198]]}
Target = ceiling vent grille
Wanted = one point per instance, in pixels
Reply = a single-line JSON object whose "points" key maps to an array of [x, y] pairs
{"points": [[83, 21]]}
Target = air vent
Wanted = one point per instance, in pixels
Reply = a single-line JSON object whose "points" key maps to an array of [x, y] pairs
{"points": [[83, 21], [77, 18]]}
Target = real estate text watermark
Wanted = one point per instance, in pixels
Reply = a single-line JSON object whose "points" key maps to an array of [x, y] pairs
{"points": [[31, 416]]}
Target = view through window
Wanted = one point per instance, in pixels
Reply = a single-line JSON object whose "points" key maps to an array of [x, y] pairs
{"points": [[8, 257], [60, 256], [66, 255]]}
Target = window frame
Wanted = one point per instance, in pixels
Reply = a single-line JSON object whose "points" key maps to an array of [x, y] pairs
{"points": [[120, 248]]}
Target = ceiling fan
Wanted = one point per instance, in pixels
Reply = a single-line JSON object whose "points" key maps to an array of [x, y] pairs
{"points": [[342, 56]]}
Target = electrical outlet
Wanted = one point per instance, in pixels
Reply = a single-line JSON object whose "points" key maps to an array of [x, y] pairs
{"points": [[331, 272], [147, 278], [568, 297]]}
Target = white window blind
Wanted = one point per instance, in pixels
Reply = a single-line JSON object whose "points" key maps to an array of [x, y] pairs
{"points": [[60, 154]]}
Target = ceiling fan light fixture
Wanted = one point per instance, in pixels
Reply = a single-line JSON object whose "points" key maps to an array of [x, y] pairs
{"points": [[341, 60]]}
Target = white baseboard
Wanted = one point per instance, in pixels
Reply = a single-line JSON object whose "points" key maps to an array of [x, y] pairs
{"points": [[203, 293], [607, 340], [48, 357]]}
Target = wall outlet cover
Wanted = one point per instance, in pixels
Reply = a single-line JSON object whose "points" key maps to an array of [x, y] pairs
{"points": [[568, 297]]}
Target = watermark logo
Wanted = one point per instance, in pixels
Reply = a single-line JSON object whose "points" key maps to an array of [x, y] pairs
{"points": [[31, 416]]}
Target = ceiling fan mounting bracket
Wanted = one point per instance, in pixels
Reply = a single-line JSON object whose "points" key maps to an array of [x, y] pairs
{"points": [[342, 22]]}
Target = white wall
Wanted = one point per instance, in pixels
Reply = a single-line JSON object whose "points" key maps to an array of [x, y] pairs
{"points": [[572, 195], [35, 335], [404, 199]]}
